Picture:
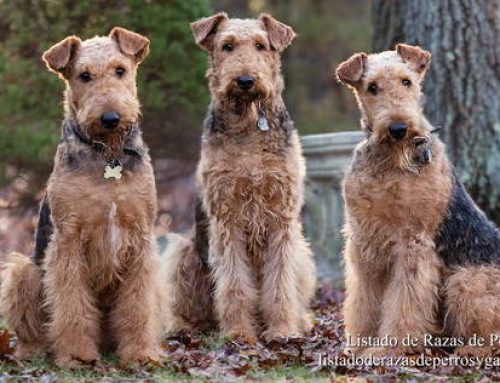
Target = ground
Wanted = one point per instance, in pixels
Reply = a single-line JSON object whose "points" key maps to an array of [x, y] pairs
{"points": [[210, 358]]}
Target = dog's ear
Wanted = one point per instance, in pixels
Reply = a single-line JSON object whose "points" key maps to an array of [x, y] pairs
{"points": [[351, 71], [280, 35], [131, 43], [205, 29], [418, 58], [58, 57]]}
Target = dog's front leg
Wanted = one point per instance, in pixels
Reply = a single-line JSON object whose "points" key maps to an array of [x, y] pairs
{"points": [[410, 303], [73, 330], [135, 319], [364, 289], [235, 291], [280, 301]]}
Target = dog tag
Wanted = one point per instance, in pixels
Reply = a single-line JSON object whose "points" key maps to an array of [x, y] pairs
{"points": [[113, 172], [262, 123]]}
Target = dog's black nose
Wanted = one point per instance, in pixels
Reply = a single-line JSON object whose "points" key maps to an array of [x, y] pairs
{"points": [[110, 120], [398, 130], [245, 82]]}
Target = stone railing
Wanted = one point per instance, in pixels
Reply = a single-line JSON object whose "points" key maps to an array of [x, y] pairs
{"points": [[327, 156]]}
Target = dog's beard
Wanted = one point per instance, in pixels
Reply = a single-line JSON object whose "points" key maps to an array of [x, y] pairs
{"points": [[240, 100], [113, 139], [412, 154]]}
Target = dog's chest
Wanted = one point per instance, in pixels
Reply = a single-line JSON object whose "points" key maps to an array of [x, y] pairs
{"points": [[394, 203], [246, 185], [107, 214]]}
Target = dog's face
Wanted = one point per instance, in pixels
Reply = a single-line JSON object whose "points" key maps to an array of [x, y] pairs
{"points": [[387, 87], [100, 74], [245, 55]]}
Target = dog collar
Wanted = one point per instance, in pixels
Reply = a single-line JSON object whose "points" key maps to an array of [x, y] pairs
{"points": [[114, 167], [99, 146]]}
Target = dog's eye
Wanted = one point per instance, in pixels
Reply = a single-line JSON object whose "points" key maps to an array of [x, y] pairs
{"points": [[260, 47], [120, 72], [406, 82], [373, 89], [227, 47], [85, 77]]}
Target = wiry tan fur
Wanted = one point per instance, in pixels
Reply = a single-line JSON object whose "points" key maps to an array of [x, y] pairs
{"points": [[396, 281], [101, 283], [251, 186], [473, 305], [20, 297], [190, 291]]}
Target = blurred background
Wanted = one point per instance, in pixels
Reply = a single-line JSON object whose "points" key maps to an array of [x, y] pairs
{"points": [[461, 88]]}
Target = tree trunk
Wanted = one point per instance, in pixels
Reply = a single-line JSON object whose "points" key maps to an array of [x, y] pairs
{"points": [[462, 86]]}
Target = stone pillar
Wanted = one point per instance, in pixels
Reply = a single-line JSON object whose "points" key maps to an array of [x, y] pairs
{"points": [[327, 157]]}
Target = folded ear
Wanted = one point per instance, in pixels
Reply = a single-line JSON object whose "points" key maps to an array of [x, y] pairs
{"points": [[351, 71], [58, 57], [131, 43], [418, 58], [205, 29], [280, 35]]}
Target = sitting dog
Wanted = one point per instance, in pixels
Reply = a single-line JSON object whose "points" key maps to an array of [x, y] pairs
{"points": [[95, 278], [421, 258], [247, 265]]}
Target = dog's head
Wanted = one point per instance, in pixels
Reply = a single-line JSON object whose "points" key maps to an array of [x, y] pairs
{"points": [[245, 55], [100, 75], [387, 87]]}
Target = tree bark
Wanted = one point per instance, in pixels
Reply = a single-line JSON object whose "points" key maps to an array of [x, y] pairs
{"points": [[462, 86]]}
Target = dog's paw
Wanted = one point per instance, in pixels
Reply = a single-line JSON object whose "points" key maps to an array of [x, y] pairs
{"points": [[74, 360], [307, 323], [178, 325], [130, 358], [279, 335], [242, 335], [30, 351]]}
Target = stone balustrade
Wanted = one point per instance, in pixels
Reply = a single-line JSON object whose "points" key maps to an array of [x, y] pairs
{"points": [[327, 157]]}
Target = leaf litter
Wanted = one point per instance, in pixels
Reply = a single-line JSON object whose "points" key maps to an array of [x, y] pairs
{"points": [[210, 357]]}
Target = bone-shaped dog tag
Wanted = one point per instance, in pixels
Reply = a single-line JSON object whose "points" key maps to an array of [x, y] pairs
{"points": [[113, 172]]}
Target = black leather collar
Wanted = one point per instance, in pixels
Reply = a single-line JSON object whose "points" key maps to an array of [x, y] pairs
{"points": [[99, 146]]}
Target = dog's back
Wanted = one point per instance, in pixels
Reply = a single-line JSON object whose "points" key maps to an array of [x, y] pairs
{"points": [[466, 236]]}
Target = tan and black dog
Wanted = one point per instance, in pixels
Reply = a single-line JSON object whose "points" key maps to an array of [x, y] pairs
{"points": [[421, 258], [95, 279], [248, 266]]}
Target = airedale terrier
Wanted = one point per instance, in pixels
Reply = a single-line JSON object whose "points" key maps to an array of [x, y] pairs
{"points": [[247, 265], [421, 258], [95, 279]]}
